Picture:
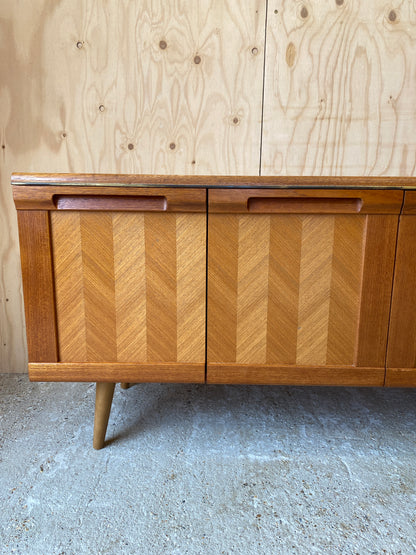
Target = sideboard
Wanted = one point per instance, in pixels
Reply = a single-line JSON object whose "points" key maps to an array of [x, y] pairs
{"points": [[220, 280]]}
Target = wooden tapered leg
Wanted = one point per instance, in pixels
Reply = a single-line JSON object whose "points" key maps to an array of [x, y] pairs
{"points": [[103, 399], [125, 385]]}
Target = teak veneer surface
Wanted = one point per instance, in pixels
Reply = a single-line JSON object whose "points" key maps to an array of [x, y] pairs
{"points": [[62, 179], [109, 198], [37, 270], [130, 287], [268, 374], [117, 372], [299, 290]]}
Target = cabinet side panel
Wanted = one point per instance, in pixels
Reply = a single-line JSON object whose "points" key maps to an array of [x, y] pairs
{"points": [[380, 246], [69, 284], [191, 287], [402, 338], [35, 252]]}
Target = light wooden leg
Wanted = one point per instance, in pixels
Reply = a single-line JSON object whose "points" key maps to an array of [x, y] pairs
{"points": [[125, 385], [103, 399]]}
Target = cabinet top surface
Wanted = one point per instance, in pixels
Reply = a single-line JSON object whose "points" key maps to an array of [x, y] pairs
{"points": [[212, 181]]}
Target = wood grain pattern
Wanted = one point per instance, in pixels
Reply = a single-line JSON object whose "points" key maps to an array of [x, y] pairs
{"points": [[400, 377], [283, 288], [117, 372], [139, 203], [346, 288], [252, 288], [377, 282], [130, 287], [263, 374], [312, 284], [191, 287], [314, 289], [222, 287], [69, 286], [264, 181], [161, 287], [110, 198], [339, 91], [35, 248], [138, 87], [13, 343], [409, 205], [402, 335], [304, 201], [99, 286]]}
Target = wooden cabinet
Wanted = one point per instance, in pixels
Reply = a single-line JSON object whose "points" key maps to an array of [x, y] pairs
{"points": [[299, 285], [121, 291], [218, 280]]}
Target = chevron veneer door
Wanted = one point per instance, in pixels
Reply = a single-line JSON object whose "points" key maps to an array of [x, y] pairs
{"points": [[299, 285], [128, 275]]}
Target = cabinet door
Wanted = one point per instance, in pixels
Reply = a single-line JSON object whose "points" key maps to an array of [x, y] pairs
{"points": [[299, 285], [128, 274], [401, 354]]}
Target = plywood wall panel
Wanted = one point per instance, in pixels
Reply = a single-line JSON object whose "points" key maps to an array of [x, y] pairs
{"points": [[142, 86], [339, 88]]}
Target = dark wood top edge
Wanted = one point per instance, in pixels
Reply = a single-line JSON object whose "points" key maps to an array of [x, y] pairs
{"points": [[212, 180]]}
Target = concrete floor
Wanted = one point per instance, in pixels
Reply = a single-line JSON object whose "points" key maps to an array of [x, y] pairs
{"points": [[207, 470]]}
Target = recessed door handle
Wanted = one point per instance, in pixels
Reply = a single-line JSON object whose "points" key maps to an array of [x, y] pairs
{"points": [[114, 203], [313, 205]]}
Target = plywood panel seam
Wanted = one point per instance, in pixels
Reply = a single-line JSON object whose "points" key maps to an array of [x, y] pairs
{"points": [[263, 85]]}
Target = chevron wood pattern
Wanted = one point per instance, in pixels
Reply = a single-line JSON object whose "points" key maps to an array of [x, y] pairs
{"points": [[252, 288], [315, 289], [283, 284], [68, 272], [130, 287], [125, 286], [161, 287], [191, 289], [346, 286], [222, 287], [295, 296], [99, 290]]}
